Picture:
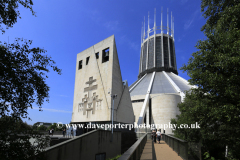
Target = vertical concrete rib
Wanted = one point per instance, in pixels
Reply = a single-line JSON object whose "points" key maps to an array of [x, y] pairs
{"points": [[146, 100], [184, 80], [144, 29], [175, 63], [175, 86], [169, 56], [154, 50], [162, 38], [143, 41], [150, 84], [171, 26], [174, 54], [141, 57], [142, 34], [147, 43], [167, 23]]}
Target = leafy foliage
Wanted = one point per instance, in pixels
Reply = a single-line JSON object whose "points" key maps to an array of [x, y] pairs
{"points": [[210, 135], [115, 158], [9, 11], [214, 10], [42, 128], [35, 126], [55, 127], [15, 140], [215, 69], [22, 77], [22, 82]]}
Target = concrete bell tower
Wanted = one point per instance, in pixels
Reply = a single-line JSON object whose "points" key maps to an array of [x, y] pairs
{"points": [[98, 72]]}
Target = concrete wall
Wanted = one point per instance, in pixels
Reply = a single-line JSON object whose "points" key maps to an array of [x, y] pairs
{"points": [[137, 106], [106, 76], [102, 73], [164, 108], [124, 110], [86, 146], [128, 139]]}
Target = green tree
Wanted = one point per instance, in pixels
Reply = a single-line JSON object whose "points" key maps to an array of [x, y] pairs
{"points": [[9, 11], [193, 110], [55, 127], [22, 82], [22, 77], [215, 69], [42, 128], [35, 126], [15, 140]]}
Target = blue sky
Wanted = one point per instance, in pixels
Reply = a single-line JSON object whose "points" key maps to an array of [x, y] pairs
{"points": [[65, 28]]}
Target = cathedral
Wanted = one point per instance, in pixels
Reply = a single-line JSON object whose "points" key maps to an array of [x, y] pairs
{"points": [[151, 99], [158, 89]]}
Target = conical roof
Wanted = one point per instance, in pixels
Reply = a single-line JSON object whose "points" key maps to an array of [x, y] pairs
{"points": [[164, 82]]}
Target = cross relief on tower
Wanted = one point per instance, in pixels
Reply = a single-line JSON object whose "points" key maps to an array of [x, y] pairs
{"points": [[90, 102]]}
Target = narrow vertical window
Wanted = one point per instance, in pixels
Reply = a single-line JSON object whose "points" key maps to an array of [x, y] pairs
{"points": [[87, 60], [80, 64], [97, 55], [105, 55]]}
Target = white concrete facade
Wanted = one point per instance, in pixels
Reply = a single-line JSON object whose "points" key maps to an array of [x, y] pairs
{"points": [[167, 90], [94, 80], [164, 108]]}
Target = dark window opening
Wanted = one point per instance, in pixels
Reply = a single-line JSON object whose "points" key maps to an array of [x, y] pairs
{"points": [[105, 55], [145, 119], [150, 111], [144, 58], [166, 54], [136, 101], [97, 55], [87, 60], [100, 156], [80, 64]]}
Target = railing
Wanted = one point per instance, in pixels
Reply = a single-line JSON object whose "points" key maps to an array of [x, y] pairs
{"points": [[195, 149], [135, 151], [178, 145], [85, 146]]}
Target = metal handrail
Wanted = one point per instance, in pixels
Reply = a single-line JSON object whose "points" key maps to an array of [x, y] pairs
{"points": [[178, 145], [135, 151]]}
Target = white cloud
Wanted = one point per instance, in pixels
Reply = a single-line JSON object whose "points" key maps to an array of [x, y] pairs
{"points": [[112, 25], [181, 37], [63, 96], [183, 58], [52, 110], [131, 44], [99, 19], [189, 22]]}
